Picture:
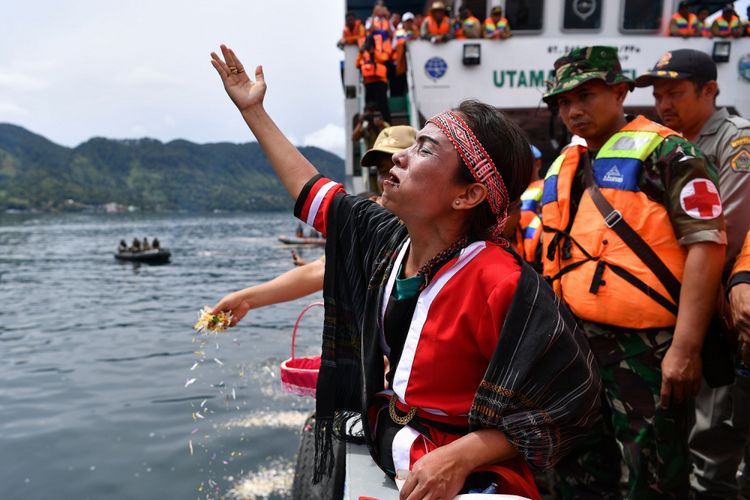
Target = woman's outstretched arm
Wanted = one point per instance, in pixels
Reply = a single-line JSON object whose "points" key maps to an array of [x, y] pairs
{"points": [[291, 285], [292, 168]]}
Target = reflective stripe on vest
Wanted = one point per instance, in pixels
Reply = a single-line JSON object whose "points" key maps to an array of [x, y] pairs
{"points": [[490, 26], [595, 272], [685, 27]]}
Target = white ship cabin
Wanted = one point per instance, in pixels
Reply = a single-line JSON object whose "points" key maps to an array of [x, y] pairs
{"points": [[511, 74]]}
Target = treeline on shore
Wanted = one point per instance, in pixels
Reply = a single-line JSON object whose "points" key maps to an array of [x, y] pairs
{"points": [[143, 174]]}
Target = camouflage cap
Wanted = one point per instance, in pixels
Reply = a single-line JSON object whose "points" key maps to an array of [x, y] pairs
{"points": [[583, 64]]}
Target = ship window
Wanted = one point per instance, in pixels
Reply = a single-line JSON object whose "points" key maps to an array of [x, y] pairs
{"points": [[642, 15], [582, 15], [524, 15]]}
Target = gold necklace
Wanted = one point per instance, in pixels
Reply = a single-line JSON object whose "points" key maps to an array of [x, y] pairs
{"points": [[395, 417]]}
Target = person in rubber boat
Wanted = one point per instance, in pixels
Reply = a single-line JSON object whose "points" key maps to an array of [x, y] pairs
{"points": [[490, 376]]}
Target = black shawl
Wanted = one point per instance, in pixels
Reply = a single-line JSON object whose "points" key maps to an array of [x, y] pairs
{"points": [[541, 387]]}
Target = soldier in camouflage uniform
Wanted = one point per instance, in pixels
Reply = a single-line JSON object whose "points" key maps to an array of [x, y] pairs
{"points": [[645, 324]]}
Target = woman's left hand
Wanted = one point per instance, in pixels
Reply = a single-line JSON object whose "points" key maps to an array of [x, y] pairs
{"points": [[437, 475]]}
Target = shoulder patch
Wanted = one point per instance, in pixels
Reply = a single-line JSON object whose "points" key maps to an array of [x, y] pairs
{"points": [[700, 199], [741, 161], [740, 141]]}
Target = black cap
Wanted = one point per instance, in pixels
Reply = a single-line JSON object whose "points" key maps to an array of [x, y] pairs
{"points": [[679, 65]]}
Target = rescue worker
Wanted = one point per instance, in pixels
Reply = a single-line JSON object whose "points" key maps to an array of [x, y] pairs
{"points": [[727, 24], [466, 25], [634, 244], [404, 33], [391, 140], [685, 91], [374, 52], [436, 26], [746, 23], [122, 247], [739, 294], [703, 28], [369, 124], [683, 22], [354, 31], [529, 229], [379, 22], [136, 245], [496, 27]]}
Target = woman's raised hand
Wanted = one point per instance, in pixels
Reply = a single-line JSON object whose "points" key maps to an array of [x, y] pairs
{"points": [[244, 92]]}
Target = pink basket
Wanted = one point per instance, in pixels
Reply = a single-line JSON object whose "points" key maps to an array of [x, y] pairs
{"points": [[300, 375]]}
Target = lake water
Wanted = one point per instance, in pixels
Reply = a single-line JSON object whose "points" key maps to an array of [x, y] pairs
{"points": [[95, 356]]}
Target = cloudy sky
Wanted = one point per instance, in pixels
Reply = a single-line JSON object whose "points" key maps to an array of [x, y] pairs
{"points": [[74, 69]]}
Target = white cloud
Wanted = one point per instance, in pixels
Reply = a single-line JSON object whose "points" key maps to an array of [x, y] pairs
{"points": [[143, 75], [331, 138], [8, 108], [20, 81]]}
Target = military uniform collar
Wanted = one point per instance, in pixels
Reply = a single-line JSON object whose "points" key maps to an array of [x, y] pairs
{"points": [[713, 123]]}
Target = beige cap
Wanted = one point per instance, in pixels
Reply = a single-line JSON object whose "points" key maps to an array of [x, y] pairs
{"points": [[437, 6], [390, 140]]}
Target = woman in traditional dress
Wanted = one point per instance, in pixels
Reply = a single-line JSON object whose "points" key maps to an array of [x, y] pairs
{"points": [[489, 376]]}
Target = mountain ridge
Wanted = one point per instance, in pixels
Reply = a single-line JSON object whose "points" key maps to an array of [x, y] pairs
{"points": [[36, 173]]}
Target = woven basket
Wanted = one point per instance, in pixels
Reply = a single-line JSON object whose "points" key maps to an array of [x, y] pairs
{"points": [[300, 375]]}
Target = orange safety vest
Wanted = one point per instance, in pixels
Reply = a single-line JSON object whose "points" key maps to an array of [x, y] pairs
{"points": [[371, 63], [703, 29], [380, 25], [742, 264], [458, 33], [725, 28], [686, 27], [490, 27], [584, 259], [529, 232], [353, 36], [433, 28]]}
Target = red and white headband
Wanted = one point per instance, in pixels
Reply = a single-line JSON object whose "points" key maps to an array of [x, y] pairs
{"points": [[480, 165]]}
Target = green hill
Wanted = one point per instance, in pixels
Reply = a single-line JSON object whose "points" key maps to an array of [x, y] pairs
{"points": [[36, 173]]}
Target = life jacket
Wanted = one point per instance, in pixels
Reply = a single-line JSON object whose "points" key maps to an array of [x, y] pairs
{"points": [[353, 36], [742, 264], [372, 63], [433, 28], [686, 27], [470, 22], [380, 26], [747, 27], [529, 223], [725, 28], [588, 264], [703, 29], [491, 27]]}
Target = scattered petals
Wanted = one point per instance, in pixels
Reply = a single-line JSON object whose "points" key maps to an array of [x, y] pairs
{"points": [[208, 322]]}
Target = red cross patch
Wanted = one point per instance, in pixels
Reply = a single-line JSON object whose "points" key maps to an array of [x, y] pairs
{"points": [[700, 199]]}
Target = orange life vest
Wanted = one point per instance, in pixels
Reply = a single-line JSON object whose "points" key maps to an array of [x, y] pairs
{"points": [[380, 25], [726, 28], [742, 264], [372, 63], [353, 36], [494, 29], [529, 227], [470, 21], [584, 259], [433, 28], [686, 27]]}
